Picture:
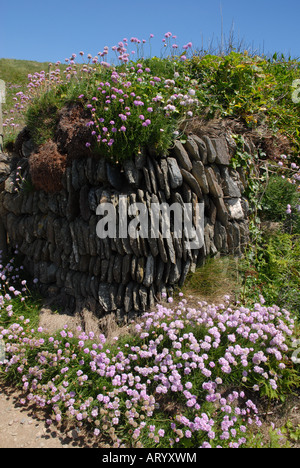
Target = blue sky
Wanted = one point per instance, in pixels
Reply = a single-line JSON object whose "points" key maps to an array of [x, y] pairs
{"points": [[53, 30]]}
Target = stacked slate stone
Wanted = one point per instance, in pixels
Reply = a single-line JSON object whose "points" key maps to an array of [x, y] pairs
{"points": [[56, 232]]}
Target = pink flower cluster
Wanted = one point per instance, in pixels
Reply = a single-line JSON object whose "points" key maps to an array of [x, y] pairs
{"points": [[120, 103], [181, 354]]}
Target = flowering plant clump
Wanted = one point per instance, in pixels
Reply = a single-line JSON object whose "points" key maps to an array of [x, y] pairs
{"points": [[130, 104], [182, 378], [132, 108]]}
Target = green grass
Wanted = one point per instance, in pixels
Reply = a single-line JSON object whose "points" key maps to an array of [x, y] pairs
{"points": [[15, 74]]}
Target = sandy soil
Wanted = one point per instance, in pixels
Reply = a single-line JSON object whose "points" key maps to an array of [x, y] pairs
{"points": [[25, 427]]}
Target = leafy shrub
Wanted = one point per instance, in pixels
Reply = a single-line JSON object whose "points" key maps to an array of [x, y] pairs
{"points": [[279, 195], [279, 268]]}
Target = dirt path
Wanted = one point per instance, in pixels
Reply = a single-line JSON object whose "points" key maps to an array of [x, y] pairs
{"points": [[24, 427]]}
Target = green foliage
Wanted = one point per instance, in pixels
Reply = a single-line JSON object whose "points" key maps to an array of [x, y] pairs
{"points": [[42, 117], [271, 269], [256, 89], [280, 193], [291, 431], [16, 71], [16, 74], [239, 82]]}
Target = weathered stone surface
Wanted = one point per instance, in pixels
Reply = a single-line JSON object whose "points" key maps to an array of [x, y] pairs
{"points": [[4, 171], [159, 272], [222, 212], [113, 291], [133, 175], [90, 170], [222, 153], [143, 295], [84, 203], [119, 299], [159, 175], [175, 272], [198, 172], [170, 249], [234, 208], [140, 159], [214, 187], [220, 237], [192, 148], [149, 271], [164, 169], [192, 182], [136, 298], [244, 234], [212, 211], [182, 156], [230, 187], [209, 239], [140, 269], [128, 300], [234, 239], [104, 297], [28, 147], [152, 175], [114, 176], [202, 148], [185, 269], [101, 171], [126, 268], [178, 247], [166, 274], [147, 179], [117, 269], [245, 207], [161, 247], [211, 152], [175, 175]]}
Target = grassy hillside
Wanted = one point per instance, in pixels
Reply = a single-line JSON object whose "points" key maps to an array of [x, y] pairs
{"points": [[15, 73]]}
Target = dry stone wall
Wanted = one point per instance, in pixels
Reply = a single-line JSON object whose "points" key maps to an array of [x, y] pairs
{"points": [[56, 232]]}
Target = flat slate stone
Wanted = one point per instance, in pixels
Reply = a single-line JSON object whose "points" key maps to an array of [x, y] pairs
{"points": [[175, 175], [192, 148], [202, 148], [211, 152], [128, 300], [149, 271], [192, 182], [133, 175], [235, 209], [164, 169], [115, 177], [230, 187], [182, 156], [222, 153], [143, 295], [214, 187], [198, 172], [222, 211], [104, 297]]}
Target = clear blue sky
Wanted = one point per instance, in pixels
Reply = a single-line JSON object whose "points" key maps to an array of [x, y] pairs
{"points": [[53, 30]]}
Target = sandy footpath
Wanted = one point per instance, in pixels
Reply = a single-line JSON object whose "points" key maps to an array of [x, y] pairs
{"points": [[24, 427]]}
